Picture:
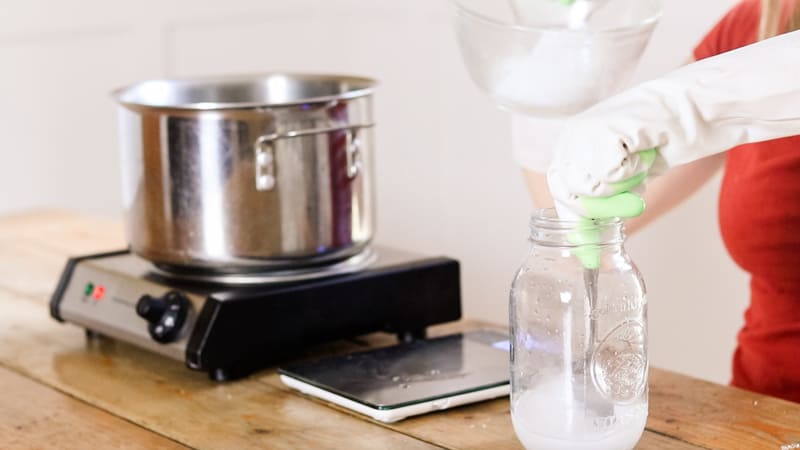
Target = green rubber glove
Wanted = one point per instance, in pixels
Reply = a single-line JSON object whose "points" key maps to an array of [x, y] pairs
{"points": [[624, 205], [586, 237]]}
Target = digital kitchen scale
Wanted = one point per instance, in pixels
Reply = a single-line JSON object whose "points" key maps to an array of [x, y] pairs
{"points": [[411, 378], [230, 325]]}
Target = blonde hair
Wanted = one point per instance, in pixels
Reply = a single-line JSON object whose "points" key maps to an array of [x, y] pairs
{"points": [[770, 22]]}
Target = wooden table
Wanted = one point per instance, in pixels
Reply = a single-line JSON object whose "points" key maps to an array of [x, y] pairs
{"points": [[60, 391]]}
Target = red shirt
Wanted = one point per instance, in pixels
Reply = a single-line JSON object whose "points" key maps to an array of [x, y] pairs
{"points": [[759, 217]]}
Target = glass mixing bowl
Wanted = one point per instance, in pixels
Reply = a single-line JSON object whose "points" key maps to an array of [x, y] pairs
{"points": [[551, 57]]}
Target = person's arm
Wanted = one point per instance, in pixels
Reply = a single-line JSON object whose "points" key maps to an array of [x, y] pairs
{"points": [[673, 188], [537, 188], [532, 142], [662, 195], [747, 95]]}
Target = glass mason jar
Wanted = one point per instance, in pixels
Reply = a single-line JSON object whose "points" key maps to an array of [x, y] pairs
{"points": [[578, 338]]}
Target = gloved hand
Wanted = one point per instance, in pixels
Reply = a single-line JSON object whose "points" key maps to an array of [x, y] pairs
{"points": [[747, 95]]}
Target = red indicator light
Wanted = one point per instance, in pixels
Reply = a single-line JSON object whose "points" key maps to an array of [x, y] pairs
{"points": [[99, 292]]}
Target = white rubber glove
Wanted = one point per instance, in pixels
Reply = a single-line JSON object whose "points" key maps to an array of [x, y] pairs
{"points": [[747, 95]]}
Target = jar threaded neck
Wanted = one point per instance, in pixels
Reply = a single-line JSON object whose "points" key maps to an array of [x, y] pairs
{"points": [[546, 228]]}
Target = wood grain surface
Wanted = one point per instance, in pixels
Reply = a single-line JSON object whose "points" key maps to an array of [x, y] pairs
{"points": [[720, 417], [97, 385], [33, 416]]}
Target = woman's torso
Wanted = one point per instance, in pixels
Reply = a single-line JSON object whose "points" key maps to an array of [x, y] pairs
{"points": [[759, 217]]}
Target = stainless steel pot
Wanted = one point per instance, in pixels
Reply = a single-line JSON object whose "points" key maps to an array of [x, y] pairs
{"points": [[241, 174]]}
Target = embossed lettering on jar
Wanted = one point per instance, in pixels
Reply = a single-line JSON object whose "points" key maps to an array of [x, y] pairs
{"points": [[579, 338]]}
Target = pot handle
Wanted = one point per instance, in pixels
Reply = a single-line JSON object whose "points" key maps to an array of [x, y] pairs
{"points": [[265, 152], [265, 163]]}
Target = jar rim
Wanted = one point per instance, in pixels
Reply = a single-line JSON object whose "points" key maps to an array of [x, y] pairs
{"points": [[547, 218]]}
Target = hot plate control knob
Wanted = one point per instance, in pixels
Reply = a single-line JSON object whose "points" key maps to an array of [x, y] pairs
{"points": [[165, 315]]}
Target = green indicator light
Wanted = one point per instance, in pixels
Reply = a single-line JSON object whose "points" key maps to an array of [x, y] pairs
{"points": [[89, 289]]}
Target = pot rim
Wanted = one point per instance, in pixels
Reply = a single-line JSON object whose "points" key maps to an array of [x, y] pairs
{"points": [[131, 95]]}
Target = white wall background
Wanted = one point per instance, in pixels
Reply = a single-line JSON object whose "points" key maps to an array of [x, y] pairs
{"points": [[446, 183]]}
